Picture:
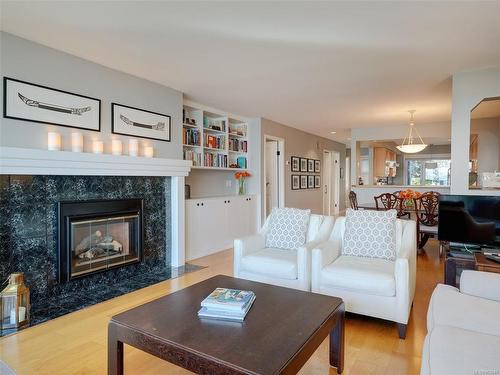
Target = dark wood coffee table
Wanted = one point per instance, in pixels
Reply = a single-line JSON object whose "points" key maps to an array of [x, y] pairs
{"points": [[280, 333]]}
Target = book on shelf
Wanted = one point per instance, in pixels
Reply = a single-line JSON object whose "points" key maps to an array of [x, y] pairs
{"points": [[214, 141], [227, 304], [191, 136], [237, 145], [194, 156], [215, 160]]}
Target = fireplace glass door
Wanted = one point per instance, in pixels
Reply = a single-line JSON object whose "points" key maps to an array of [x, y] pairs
{"points": [[101, 243]]}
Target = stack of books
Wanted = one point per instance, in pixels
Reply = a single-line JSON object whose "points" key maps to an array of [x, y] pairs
{"points": [[227, 304]]}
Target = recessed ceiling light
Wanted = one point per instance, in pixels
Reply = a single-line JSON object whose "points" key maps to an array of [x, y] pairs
{"points": [[333, 132]]}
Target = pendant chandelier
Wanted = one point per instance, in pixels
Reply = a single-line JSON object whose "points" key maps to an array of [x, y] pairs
{"points": [[410, 144]]}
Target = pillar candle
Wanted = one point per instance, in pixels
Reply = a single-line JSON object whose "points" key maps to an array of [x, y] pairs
{"points": [[116, 147], [133, 147], [77, 142], [97, 147], [149, 151], [53, 141]]}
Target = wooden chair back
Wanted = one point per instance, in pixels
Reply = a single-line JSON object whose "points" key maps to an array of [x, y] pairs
{"points": [[353, 200], [388, 201], [426, 208]]}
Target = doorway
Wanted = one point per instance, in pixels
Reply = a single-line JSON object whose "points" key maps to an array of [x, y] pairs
{"points": [[331, 182], [274, 173]]}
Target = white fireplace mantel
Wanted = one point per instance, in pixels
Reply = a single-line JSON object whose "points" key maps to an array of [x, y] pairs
{"points": [[26, 161], [14, 160]]}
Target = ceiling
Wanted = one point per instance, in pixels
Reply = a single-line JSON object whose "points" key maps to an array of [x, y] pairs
{"points": [[317, 66]]}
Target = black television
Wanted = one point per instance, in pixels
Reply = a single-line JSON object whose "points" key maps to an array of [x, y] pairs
{"points": [[470, 219]]}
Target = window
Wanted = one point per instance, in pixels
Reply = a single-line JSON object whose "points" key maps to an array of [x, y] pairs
{"points": [[428, 172]]}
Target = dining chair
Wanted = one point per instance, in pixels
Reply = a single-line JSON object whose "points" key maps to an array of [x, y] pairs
{"points": [[353, 200], [387, 201], [426, 210]]}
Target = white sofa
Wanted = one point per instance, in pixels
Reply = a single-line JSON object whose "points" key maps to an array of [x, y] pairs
{"points": [[374, 287], [463, 327], [283, 267]]}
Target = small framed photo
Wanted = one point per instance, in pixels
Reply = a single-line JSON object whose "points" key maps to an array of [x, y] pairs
{"points": [[303, 164], [295, 182], [310, 182], [303, 182], [317, 166], [46, 105], [310, 165], [295, 160], [317, 181], [137, 122]]}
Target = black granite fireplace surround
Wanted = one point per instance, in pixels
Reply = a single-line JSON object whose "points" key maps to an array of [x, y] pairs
{"points": [[29, 230]]}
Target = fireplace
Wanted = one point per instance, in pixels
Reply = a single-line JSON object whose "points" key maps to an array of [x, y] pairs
{"points": [[97, 235]]}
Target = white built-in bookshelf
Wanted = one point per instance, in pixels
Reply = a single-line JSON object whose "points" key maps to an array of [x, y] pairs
{"points": [[214, 140]]}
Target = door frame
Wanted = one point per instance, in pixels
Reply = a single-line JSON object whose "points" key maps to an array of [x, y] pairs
{"points": [[281, 172], [333, 183]]}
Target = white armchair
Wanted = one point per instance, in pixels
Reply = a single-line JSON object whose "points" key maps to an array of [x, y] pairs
{"points": [[463, 330], [284, 267], [374, 287]]}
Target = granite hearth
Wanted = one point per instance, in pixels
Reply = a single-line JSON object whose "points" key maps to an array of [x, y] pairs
{"points": [[29, 235]]}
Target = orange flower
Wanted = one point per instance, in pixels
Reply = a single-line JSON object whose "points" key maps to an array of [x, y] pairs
{"points": [[239, 175]]}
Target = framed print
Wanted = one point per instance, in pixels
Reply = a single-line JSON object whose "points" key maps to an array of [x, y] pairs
{"points": [[303, 182], [310, 182], [310, 165], [317, 181], [137, 122], [295, 164], [295, 182], [303, 165], [31, 102], [317, 166]]}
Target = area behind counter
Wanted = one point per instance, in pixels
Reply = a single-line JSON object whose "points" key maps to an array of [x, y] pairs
{"points": [[365, 193]]}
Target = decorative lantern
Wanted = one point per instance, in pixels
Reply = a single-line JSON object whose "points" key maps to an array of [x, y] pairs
{"points": [[15, 303]]}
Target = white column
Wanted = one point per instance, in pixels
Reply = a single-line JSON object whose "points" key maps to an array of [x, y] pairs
{"points": [[178, 255]]}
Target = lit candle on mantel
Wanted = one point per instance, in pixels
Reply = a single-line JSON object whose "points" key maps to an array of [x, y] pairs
{"points": [[133, 147], [116, 147], [53, 141], [77, 142], [149, 151], [97, 147]]}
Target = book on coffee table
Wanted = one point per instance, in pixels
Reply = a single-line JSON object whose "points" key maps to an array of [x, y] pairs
{"points": [[227, 304]]}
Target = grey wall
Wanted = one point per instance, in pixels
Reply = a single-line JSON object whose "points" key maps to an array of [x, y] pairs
{"points": [[488, 151], [302, 144], [28, 61]]}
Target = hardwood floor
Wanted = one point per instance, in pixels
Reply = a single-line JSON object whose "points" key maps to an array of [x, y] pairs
{"points": [[77, 343]]}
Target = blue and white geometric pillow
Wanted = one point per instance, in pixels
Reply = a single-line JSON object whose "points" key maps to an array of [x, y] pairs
{"points": [[287, 228], [370, 233]]}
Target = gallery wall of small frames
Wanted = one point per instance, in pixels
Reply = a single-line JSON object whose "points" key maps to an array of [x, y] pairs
{"points": [[312, 177]]}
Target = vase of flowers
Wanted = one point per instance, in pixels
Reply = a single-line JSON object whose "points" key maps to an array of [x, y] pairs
{"points": [[240, 177], [408, 195]]}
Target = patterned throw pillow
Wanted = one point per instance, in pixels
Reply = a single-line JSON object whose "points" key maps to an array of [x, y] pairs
{"points": [[287, 228], [370, 233]]}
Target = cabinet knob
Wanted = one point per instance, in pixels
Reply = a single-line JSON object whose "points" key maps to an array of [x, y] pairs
{"points": [[228, 201], [202, 204]]}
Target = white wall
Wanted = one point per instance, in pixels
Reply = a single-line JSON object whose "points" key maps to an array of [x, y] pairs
{"points": [[32, 62], [469, 88]]}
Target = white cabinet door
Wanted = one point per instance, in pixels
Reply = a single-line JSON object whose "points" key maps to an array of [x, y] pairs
{"points": [[204, 223], [236, 219], [213, 224], [251, 215]]}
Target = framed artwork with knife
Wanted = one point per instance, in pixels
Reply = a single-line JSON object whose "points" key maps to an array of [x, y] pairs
{"points": [[126, 120], [46, 105]]}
